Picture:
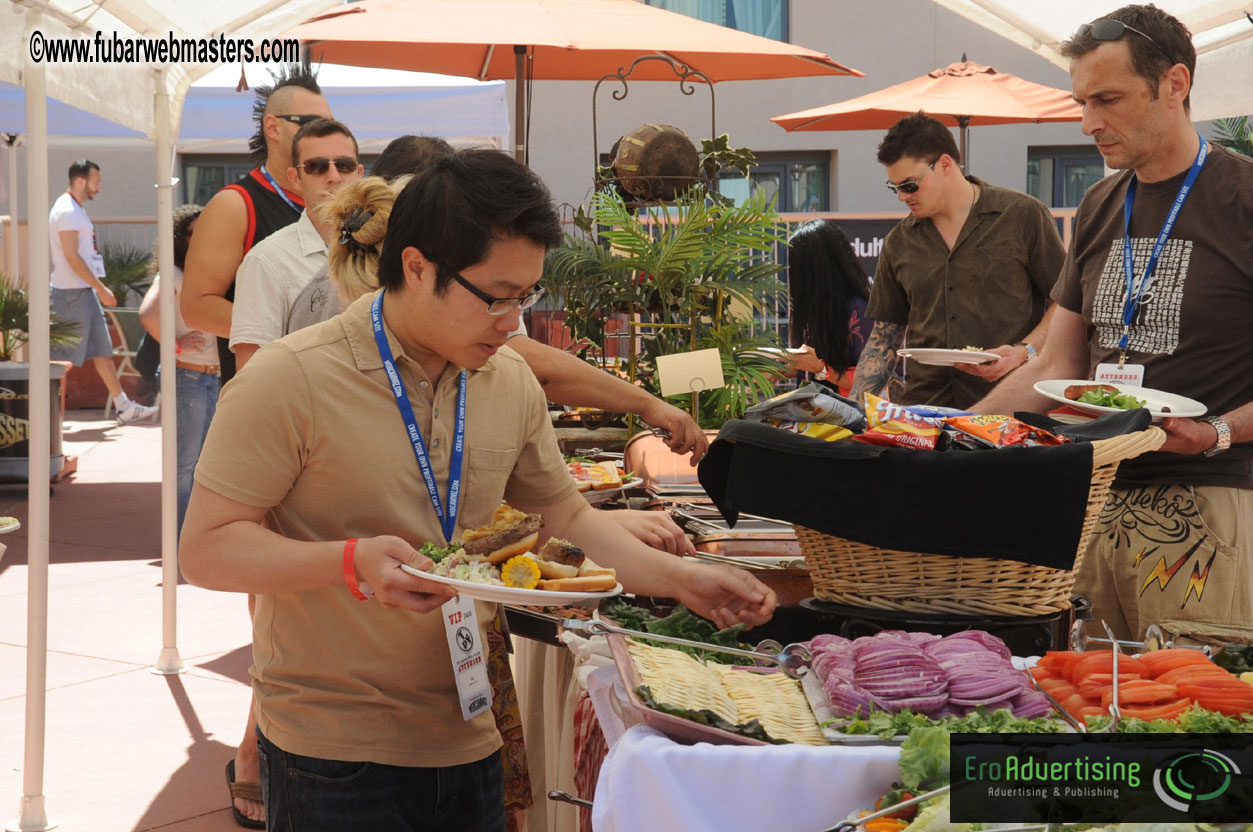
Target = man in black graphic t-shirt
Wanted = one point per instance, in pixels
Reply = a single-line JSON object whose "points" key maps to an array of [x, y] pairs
{"points": [[1172, 545]]}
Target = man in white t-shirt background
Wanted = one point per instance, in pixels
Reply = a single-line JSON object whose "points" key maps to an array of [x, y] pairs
{"points": [[277, 269], [76, 291]]}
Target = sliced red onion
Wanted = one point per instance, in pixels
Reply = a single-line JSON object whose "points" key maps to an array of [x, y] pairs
{"points": [[988, 640], [917, 704], [827, 640]]}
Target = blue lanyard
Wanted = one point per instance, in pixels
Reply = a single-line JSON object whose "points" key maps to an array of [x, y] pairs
{"points": [[447, 521], [281, 193], [1136, 291]]}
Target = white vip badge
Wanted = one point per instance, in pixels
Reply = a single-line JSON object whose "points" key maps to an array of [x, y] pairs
{"points": [[469, 665], [1131, 375]]}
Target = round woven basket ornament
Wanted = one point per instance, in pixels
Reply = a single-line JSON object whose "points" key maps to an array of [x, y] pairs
{"points": [[656, 161]]}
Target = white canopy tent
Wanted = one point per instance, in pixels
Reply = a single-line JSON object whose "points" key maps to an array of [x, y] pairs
{"points": [[1221, 32], [147, 99]]}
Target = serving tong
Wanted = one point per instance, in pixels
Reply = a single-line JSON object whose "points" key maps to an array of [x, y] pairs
{"points": [[792, 659], [1154, 639], [1079, 725]]}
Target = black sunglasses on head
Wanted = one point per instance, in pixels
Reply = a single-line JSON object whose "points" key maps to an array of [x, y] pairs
{"points": [[1106, 30], [319, 165], [301, 120]]}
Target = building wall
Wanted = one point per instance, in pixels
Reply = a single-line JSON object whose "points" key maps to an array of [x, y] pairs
{"points": [[889, 40]]}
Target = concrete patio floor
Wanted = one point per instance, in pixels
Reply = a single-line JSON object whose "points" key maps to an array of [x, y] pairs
{"points": [[126, 749]]}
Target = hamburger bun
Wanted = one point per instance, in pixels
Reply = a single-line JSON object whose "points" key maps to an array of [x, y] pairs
{"points": [[589, 569], [589, 583], [510, 532], [518, 547], [549, 569]]}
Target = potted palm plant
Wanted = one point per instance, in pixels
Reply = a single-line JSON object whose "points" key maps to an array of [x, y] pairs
{"points": [[15, 389], [693, 274]]}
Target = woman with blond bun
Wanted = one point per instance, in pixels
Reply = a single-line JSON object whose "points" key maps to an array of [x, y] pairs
{"points": [[359, 212]]}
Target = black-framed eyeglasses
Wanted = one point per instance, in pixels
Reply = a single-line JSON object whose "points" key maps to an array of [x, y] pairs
{"points": [[1107, 30], [300, 120], [498, 306], [911, 186], [319, 165]]}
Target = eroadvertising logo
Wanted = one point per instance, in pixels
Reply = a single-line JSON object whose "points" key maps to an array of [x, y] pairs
{"points": [[1102, 778]]}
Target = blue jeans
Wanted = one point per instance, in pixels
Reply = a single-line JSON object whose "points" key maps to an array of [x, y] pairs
{"points": [[197, 402], [307, 794]]}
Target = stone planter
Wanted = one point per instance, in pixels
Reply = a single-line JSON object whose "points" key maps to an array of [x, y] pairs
{"points": [[15, 396]]}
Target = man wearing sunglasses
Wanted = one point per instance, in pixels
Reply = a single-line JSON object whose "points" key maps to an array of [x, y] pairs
{"points": [[1157, 292], [276, 270], [246, 212], [348, 444], [972, 265]]}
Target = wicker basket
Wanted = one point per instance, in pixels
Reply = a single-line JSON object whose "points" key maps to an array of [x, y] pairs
{"points": [[862, 575]]}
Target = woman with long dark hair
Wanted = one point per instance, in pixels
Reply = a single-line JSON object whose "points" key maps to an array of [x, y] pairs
{"points": [[828, 291]]}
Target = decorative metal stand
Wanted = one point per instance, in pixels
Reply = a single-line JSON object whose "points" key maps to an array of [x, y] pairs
{"points": [[685, 76]]}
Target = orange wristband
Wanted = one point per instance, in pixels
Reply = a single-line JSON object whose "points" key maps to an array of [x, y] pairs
{"points": [[350, 570]]}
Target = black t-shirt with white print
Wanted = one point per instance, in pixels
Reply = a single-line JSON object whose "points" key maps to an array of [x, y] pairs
{"points": [[1194, 330]]}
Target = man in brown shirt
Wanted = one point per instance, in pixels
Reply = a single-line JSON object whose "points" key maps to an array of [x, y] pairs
{"points": [[1172, 544], [310, 483], [972, 265]]}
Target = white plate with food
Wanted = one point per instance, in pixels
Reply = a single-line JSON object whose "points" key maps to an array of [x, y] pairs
{"points": [[9, 524], [513, 595], [1091, 397], [605, 495], [495, 562], [947, 358]]}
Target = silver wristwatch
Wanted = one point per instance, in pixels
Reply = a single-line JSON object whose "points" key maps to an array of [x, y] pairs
{"points": [[1224, 435]]}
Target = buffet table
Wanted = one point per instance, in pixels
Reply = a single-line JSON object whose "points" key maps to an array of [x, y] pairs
{"points": [[650, 783]]}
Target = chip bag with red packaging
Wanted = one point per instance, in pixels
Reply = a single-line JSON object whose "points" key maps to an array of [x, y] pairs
{"points": [[1003, 431]]}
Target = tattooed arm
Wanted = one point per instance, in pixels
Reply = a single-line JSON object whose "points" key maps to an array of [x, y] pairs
{"points": [[878, 359]]}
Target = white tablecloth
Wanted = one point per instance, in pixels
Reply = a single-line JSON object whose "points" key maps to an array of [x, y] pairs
{"points": [[650, 783]]}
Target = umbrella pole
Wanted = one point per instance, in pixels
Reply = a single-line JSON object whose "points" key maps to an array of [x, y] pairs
{"points": [[519, 104], [964, 123]]}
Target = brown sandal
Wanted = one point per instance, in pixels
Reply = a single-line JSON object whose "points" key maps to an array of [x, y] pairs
{"points": [[244, 791]]}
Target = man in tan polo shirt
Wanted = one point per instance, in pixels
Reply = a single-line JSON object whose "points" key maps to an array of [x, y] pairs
{"points": [[310, 484]]}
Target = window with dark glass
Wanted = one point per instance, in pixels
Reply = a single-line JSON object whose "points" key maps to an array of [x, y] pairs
{"points": [[767, 18], [1059, 176], [798, 184]]}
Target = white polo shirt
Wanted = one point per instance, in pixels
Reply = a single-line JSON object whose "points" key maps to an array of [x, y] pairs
{"points": [[68, 215], [269, 279]]}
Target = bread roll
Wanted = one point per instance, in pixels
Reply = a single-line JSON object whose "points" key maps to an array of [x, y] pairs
{"points": [[551, 570], [589, 583]]}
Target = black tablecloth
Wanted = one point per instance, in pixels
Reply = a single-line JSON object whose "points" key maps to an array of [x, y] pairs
{"points": [[1023, 504]]}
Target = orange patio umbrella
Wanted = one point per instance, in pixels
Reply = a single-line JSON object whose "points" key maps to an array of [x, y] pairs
{"points": [[547, 40], [960, 94]]}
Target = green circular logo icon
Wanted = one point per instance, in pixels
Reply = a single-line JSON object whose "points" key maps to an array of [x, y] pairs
{"points": [[1194, 777]]}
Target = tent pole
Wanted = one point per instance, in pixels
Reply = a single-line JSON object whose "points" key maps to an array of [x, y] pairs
{"points": [[11, 241], [168, 662], [519, 104], [33, 816]]}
